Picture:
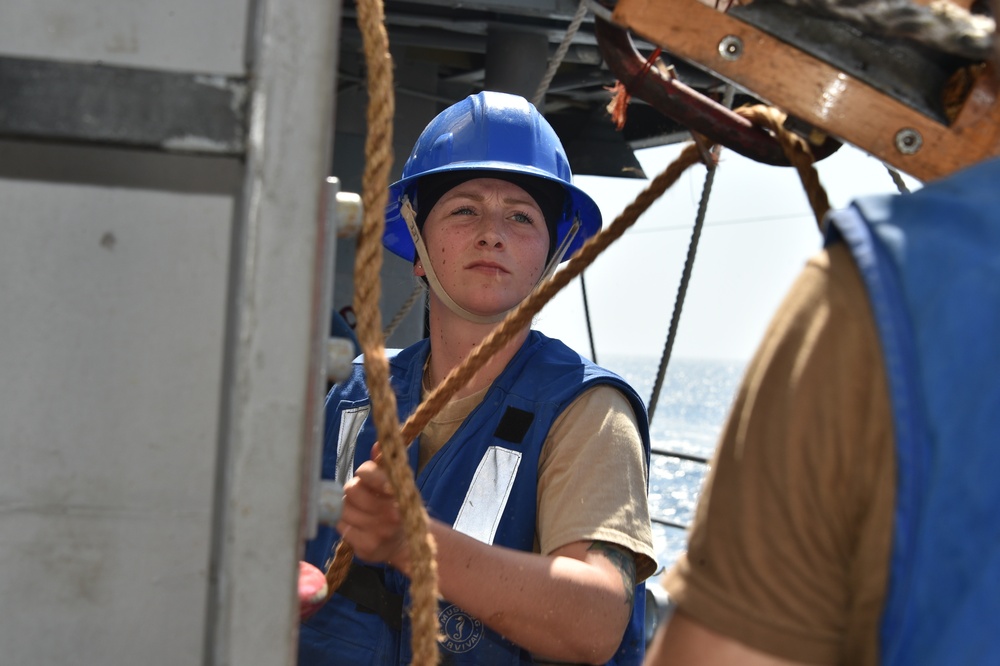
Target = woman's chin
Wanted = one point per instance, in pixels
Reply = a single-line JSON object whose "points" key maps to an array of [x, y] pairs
{"points": [[492, 309]]}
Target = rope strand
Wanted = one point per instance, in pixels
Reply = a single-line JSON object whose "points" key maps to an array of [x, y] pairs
{"points": [[574, 26], [368, 286], [797, 151], [682, 288]]}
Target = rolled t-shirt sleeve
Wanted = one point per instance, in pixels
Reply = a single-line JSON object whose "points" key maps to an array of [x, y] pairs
{"points": [[592, 479], [797, 487]]}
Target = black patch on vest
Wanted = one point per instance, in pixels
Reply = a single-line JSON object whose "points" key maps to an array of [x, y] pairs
{"points": [[365, 586], [514, 425]]}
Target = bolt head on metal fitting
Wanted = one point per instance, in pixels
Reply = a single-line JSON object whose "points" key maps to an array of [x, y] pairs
{"points": [[908, 141], [731, 47]]}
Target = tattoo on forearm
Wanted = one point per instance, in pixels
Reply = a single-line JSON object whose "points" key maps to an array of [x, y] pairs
{"points": [[622, 560]]}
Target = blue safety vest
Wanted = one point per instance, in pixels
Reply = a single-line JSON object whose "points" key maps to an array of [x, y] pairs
{"points": [[931, 265], [483, 481]]}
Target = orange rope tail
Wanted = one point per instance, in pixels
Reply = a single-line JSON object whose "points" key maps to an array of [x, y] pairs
{"points": [[620, 96]]}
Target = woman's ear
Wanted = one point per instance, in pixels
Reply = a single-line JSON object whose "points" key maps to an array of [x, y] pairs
{"points": [[418, 269]]}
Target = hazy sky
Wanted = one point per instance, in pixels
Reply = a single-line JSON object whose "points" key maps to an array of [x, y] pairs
{"points": [[759, 231]]}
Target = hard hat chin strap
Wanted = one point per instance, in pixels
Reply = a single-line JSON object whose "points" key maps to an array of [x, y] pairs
{"points": [[557, 256], [409, 215]]}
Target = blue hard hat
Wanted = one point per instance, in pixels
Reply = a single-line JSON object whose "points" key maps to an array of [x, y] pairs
{"points": [[490, 131]]}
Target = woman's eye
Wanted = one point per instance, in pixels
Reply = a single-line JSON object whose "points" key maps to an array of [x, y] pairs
{"points": [[523, 217], [464, 210]]}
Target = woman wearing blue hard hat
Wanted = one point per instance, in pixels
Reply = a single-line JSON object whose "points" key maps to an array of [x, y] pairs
{"points": [[535, 474]]}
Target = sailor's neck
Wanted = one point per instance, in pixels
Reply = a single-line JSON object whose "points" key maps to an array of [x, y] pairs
{"points": [[450, 349]]}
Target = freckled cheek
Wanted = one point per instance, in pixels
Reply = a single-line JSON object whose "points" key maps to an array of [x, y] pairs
{"points": [[533, 268], [540, 264]]}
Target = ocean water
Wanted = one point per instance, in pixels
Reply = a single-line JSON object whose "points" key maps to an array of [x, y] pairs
{"points": [[692, 408]]}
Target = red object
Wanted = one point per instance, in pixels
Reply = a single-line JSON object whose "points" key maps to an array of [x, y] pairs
{"points": [[687, 106], [312, 590]]}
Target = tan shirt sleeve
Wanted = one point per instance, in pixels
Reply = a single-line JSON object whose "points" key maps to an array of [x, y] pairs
{"points": [[789, 549], [592, 479]]}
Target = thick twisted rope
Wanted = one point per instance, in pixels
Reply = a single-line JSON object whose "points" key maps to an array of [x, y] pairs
{"points": [[798, 152], [367, 281]]}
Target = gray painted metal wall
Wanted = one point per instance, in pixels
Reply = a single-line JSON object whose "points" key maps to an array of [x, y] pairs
{"points": [[160, 361]]}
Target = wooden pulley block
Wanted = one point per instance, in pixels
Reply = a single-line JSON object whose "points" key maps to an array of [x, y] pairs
{"points": [[924, 145]]}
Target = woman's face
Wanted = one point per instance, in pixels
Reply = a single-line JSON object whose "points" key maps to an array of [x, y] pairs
{"points": [[488, 243]]}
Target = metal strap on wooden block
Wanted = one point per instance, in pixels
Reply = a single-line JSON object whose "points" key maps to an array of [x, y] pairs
{"points": [[821, 94]]}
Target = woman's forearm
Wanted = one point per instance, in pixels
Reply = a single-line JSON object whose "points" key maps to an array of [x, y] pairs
{"points": [[572, 605]]}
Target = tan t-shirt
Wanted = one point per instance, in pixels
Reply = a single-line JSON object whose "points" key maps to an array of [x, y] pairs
{"points": [[789, 550], [591, 473]]}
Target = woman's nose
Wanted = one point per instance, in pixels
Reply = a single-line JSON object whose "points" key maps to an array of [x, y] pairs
{"points": [[491, 230]]}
